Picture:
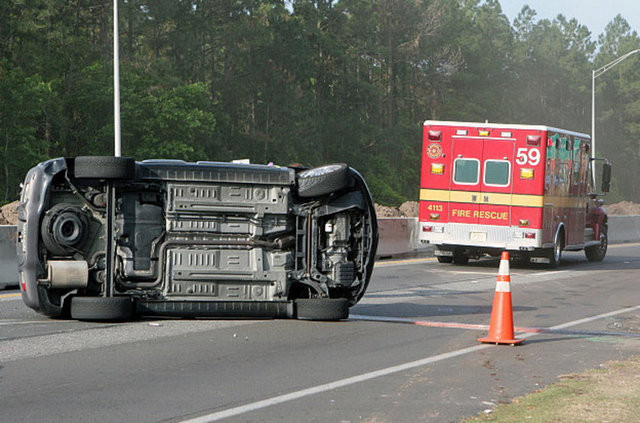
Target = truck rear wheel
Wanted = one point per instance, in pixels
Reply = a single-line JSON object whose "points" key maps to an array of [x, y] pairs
{"points": [[598, 252], [555, 255], [460, 259]]}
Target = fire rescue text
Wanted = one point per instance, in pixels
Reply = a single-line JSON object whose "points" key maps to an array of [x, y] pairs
{"points": [[480, 214]]}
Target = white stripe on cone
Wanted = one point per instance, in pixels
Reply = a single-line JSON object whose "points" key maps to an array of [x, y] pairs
{"points": [[503, 270], [502, 286]]}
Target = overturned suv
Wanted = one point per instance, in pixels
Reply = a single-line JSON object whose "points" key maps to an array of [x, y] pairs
{"points": [[109, 238]]}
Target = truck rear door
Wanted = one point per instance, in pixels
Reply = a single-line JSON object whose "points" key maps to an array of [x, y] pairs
{"points": [[481, 184], [496, 184], [465, 180]]}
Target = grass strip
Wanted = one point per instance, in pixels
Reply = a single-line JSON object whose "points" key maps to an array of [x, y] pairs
{"points": [[608, 394]]}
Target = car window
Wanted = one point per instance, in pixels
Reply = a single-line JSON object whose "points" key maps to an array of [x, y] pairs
{"points": [[466, 171], [497, 173]]}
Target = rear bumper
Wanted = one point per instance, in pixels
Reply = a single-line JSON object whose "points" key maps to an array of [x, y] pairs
{"points": [[481, 236], [30, 267]]}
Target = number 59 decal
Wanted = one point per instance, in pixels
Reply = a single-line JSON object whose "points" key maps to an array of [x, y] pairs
{"points": [[529, 156]]}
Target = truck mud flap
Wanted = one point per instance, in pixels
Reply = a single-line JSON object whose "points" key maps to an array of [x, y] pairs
{"points": [[249, 309]]}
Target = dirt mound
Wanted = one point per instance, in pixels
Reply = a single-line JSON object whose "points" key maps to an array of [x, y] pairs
{"points": [[623, 208], [386, 211], [9, 214], [407, 209], [410, 208]]}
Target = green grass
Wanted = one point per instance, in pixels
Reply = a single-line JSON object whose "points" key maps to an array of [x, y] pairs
{"points": [[609, 394]]}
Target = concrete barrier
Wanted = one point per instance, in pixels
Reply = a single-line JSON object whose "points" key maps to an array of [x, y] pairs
{"points": [[8, 256], [624, 228], [399, 235]]}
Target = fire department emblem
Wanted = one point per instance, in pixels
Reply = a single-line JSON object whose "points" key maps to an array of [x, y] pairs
{"points": [[434, 151]]}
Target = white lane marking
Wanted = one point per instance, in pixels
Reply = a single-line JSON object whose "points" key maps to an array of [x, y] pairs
{"points": [[402, 262], [235, 411], [555, 272], [4, 322], [592, 318], [10, 297], [330, 386]]}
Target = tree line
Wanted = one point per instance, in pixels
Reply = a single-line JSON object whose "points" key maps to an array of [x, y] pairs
{"points": [[306, 81]]}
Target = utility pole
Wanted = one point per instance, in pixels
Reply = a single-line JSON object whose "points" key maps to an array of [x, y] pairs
{"points": [[116, 83]]}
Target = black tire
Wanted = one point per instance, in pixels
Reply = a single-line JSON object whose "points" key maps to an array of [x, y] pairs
{"points": [[522, 259], [322, 308], [104, 167], [444, 259], [460, 259], [598, 252], [555, 255], [324, 180], [101, 308]]}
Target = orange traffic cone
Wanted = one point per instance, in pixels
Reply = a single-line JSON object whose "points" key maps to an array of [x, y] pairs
{"points": [[501, 326]]}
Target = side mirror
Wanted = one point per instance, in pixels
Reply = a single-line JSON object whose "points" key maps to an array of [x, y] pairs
{"points": [[606, 177]]}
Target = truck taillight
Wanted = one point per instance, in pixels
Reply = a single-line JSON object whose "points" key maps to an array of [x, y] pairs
{"points": [[524, 222], [434, 216], [437, 168], [431, 228], [435, 135], [526, 173], [530, 235]]}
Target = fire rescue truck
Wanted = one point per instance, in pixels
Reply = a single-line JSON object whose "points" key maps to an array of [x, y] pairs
{"points": [[526, 189]]}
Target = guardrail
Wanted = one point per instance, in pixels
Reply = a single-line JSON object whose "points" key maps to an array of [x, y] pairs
{"points": [[398, 237]]}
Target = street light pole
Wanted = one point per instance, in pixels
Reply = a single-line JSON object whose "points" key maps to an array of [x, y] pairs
{"points": [[116, 83], [593, 115]]}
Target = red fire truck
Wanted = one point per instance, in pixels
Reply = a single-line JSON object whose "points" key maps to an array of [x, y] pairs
{"points": [[527, 189]]}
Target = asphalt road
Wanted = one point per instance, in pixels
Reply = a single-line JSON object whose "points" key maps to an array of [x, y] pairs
{"points": [[350, 371]]}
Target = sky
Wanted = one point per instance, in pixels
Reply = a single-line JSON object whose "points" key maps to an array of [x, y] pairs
{"points": [[595, 14]]}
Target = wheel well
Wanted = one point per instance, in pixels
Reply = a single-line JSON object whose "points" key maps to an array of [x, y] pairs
{"points": [[299, 290]]}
